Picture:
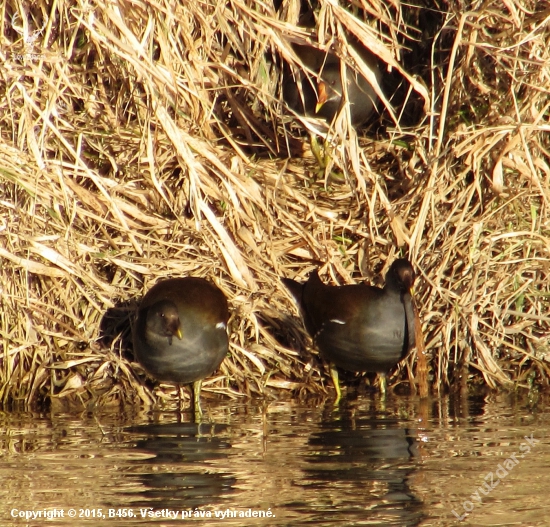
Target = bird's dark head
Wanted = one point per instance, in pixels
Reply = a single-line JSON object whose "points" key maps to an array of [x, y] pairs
{"points": [[163, 319], [401, 275]]}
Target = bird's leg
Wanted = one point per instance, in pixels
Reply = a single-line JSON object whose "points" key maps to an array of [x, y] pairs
{"points": [[323, 155], [383, 382], [334, 377], [196, 389], [180, 400], [320, 152]]}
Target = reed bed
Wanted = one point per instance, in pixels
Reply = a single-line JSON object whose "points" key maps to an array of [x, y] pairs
{"points": [[141, 140]]}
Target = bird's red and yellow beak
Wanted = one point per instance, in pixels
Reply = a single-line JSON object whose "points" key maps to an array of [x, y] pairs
{"points": [[321, 96]]}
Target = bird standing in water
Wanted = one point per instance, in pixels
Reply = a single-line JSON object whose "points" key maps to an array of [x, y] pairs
{"points": [[180, 333], [360, 327]]}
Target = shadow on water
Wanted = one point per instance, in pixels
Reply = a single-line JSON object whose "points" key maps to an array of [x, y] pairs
{"points": [[401, 461], [326, 465], [360, 469], [176, 475]]}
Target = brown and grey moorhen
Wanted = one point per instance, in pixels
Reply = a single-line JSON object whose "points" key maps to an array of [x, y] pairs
{"points": [[360, 327], [361, 95], [321, 95], [180, 334]]}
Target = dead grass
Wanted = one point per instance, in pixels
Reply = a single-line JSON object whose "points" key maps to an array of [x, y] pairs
{"points": [[140, 141]]}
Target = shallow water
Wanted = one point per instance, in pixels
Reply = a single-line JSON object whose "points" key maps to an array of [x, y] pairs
{"points": [[368, 462]]}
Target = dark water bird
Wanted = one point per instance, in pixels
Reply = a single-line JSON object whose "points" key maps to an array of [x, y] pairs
{"points": [[361, 95], [180, 333], [360, 327], [320, 95]]}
